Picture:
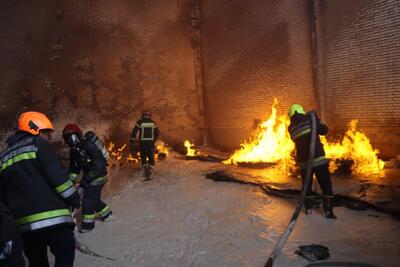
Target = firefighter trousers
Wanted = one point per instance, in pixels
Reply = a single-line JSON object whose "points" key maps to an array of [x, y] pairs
{"points": [[16, 258], [61, 242], [323, 177], [147, 154], [92, 205]]}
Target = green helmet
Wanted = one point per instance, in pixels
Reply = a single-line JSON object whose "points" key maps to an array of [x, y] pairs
{"points": [[296, 108]]}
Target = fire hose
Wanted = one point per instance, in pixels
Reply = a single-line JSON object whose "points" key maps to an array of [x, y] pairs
{"points": [[279, 245]]}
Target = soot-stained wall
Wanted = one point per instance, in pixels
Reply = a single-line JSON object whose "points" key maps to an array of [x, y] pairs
{"points": [[252, 52], [99, 63], [359, 52]]}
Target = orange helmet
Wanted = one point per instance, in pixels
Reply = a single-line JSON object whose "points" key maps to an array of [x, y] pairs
{"points": [[32, 122]]}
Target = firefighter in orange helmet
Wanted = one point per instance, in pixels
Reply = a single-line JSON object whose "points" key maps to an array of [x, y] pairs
{"points": [[36, 189]]}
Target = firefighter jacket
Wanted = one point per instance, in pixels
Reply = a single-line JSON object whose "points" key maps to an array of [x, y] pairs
{"points": [[300, 133], [148, 132], [34, 185], [89, 159]]}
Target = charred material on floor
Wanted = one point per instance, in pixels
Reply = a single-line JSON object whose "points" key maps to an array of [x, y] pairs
{"points": [[351, 201]]}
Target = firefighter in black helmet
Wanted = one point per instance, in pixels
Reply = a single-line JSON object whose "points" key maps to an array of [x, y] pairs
{"points": [[85, 156], [148, 135], [300, 132], [36, 189]]}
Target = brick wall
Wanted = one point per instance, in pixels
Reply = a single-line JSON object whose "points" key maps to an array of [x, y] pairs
{"points": [[252, 52], [360, 58], [98, 63]]}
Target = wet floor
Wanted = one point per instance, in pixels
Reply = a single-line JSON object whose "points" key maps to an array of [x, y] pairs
{"points": [[182, 219]]}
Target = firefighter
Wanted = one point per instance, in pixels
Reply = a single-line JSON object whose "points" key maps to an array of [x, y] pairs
{"points": [[85, 156], [300, 133], [148, 134], [36, 189]]}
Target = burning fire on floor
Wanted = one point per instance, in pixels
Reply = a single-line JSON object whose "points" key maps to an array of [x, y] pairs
{"points": [[190, 151], [271, 143], [122, 153]]}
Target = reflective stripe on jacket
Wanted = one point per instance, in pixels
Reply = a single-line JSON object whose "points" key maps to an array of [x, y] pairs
{"points": [[35, 186], [300, 133]]}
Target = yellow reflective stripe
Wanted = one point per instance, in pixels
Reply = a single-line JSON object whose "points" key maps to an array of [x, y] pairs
{"points": [[315, 161], [12, 153], [297, 135], [64, 186], [99, 180], [23, 156], [43, 215], [147, 125], [89, 216], [73, 176], [104, 210]]}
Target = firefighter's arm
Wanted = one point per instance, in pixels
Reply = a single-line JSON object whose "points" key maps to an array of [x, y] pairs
{"points": [[156, 133], [134, 133], [56, 175], [322, 129]]}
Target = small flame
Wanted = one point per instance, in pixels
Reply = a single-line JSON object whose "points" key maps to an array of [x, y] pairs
{"points": [[119, 153], [162, 147], [122, 148], [355, 146], [132, 158], [190, 151], [270, 143], [115, 153]]}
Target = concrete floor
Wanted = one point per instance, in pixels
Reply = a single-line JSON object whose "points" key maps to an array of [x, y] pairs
{"points": [[182, 219]]}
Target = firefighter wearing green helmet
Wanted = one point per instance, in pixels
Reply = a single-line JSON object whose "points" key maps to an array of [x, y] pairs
{"points": [[300, 133]]}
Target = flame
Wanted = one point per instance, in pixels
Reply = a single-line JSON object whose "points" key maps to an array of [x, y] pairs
{"points": [[355, 146], [161, 147], [190, 151], [132, 158], [122, 148], [118, 153], [270, 143], [115, 152]]}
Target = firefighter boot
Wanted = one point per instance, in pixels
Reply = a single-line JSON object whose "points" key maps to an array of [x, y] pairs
{"points": [[308, 205], [328, 207], [142, 170]]}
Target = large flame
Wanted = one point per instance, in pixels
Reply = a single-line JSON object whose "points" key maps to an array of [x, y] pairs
{"points": [[270, 143], [190, 151], [355, 146]]}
